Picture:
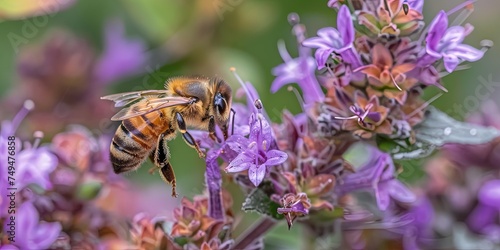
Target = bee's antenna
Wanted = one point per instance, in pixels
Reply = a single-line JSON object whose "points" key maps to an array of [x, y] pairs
{"points": [[232, 122]]}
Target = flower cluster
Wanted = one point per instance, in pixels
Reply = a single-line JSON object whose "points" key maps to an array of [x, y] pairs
{"points": [[191, 228], [378, 61], [33, 167], [64, 76], [66, 192], [364, 83]]}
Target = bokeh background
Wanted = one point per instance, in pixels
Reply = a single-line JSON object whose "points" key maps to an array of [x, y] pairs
{"points": [[166, 38]]}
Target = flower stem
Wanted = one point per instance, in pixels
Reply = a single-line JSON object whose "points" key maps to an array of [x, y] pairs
{"points": [[213, 180], [255, 232]]}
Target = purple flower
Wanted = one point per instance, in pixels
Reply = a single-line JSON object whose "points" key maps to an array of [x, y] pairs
{"points": [[213, 180], [340, 41], [254, 153], [377, 174], [422, 214], [30, 232], [487, 212], [300, 70], [121, 57], [446, 43], [33, 164], [294, 205]]}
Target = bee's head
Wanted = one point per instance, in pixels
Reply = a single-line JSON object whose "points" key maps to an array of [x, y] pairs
{"points": [[222, 102]]}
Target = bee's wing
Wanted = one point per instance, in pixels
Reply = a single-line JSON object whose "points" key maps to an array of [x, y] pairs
{"points": [[124, 99], [143, 102]]}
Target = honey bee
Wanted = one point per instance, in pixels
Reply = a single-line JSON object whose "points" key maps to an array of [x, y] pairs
{"points": [[151, 118]]}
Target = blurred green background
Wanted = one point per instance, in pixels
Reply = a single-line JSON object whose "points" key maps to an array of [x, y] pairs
{"points": [[209, 36]]}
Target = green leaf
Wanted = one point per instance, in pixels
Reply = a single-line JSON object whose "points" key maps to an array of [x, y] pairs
{"points": [[89, 190], [258, 201], [181, 241], [438, 129], [403, 150], [411, 170]]}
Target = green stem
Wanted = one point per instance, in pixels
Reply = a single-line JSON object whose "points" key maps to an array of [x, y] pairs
{"points": [[257, 230]]}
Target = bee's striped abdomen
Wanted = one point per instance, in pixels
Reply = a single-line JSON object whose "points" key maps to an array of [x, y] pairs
{"points": [[133, 141]]}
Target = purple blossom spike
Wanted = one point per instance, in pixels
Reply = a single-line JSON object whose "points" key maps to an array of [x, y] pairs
{"points": [[446, 43], [34, 166], [251, 94], [338, 40], [254, 153], [297, 70], [33, 163], [300, 70], [483, 218], [377, 174], [213, 181], [294, 205], [121, 57], [32, 233]]}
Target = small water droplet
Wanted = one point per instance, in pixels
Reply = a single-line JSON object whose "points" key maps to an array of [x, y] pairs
{"points": [[473, 131], [447, 131]]}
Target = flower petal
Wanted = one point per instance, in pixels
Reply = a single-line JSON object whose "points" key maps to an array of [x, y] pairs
{"points": [[454, 35], [381, 57], [331, 37], [237, 143], [416, 4], [402, 68], [370, 70], [467, 52], [450, 62], [322, 56], [256, 174], [46, 234], [27, 220], [275, 157], [241, 163], [437, 28], [382, 196], [316, 43], [345, 26], [400, 192], [280, 81], [34, 167], [350, 55]]}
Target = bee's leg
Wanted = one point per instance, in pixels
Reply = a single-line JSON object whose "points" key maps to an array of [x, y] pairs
{"points": [[232, 124], [167, 174], [186, 135], [160, 159], [211, 129]]}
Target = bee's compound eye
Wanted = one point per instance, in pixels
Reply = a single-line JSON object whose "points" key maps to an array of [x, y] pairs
{"points": [[220, 103]]}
